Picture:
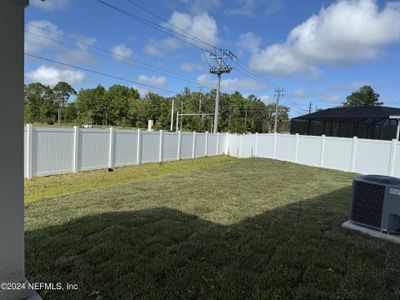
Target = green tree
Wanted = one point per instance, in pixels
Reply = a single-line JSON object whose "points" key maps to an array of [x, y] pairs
{"points": [[39, 104], [62, 92], [120, 98], [364, 97], [92, 105], [70, 113]]}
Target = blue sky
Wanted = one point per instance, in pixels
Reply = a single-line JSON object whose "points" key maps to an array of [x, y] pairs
{"points": [[318, 51]]}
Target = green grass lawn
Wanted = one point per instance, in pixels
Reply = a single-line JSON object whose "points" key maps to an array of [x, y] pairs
{"points": [[221, 229]]}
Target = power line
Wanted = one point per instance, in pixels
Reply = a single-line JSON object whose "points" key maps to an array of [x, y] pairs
{"points": [[278, 95], [182, 37], [169, 23], [185, 34], [126, 60], [99, 73]]}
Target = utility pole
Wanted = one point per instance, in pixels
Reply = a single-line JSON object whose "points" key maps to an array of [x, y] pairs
{"points": [[177, 121], [218, 66], [181, 113], [201, 94], [172, 114], [309, 108], [245, 118], [278, 95]]}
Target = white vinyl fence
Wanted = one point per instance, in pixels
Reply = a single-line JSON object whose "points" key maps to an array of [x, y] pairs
{"points": [[345, 154], [50, 151]]}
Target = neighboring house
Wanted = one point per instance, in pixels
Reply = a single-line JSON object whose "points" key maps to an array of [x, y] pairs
{"points": [[377, 122]]}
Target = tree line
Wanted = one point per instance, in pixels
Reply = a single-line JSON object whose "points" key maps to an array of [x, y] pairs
{"points": [[122, 106]]}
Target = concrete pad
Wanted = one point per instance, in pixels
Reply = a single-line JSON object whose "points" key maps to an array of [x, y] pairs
{"points": [[372, 232]]}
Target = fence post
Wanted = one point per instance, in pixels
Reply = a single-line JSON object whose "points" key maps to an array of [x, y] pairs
{"points": [[178, 154], [256, 146], [29, 151], [392, 160], [111, 150], [139, 147], [206, 143], [296, 154], [217, 144], [194, 145], [353, 155], [227, 144], [75, 167], [322, 157], [160, 153], [275, 141]]}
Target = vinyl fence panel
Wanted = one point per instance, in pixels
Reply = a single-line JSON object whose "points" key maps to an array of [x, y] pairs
{"points": [[170, 147], [265, 145], [125, 143], [338, 153], [150, 146], [200, 145], [247, 146], [373, 157], [94, 149], [212, 144], [309, 152], [222, 144], [52, 151], [285, 147], [186, 145]]}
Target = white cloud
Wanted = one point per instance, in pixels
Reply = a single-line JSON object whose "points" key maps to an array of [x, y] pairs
{"points": [[265, 99], [159, 47], [188, 67], [300, 93], [249, 41], [152, 80], [122, 52], [249, 8], [345, 32], [81, 55], [50, 5], [77, 56], [84, 42], [197, 6], [41, 34], [51, 75], [231, 84], [201, 26]]}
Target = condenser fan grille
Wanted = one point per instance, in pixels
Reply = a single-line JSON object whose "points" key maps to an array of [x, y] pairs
{"points": [[367, 204]]}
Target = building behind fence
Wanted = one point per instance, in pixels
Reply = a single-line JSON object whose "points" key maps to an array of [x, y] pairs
{"points": [[50, 151]]}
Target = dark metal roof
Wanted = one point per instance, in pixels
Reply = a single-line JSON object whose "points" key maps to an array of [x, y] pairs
{"points": [[374, 112]]}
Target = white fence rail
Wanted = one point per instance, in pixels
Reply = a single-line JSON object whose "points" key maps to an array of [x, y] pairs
{"points": [[50, 151], [345, 154]]}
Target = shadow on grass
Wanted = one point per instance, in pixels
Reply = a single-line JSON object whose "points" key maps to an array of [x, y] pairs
{"points": [[295, 251]]}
